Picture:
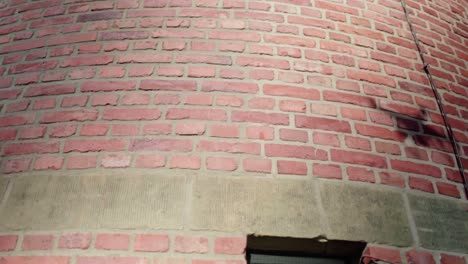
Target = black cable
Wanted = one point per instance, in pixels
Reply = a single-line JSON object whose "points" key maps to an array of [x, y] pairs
{"points": [[438, 100]]}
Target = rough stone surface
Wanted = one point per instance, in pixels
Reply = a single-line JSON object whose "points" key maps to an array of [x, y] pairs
{"points": [[130, 200], [365, 213], [441, 224], [3, 185], [262, 206]]}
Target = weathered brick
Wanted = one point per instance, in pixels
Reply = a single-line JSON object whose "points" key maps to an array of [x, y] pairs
{"points": [[75, 241], [292, 167], [38, 242], [221, 163], [151, 243], [8, 242], [191, 244]]}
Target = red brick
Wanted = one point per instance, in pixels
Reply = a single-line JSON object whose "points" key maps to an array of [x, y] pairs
{"points": [[385, 254], [379, 132], [31, 132], [198, 99], [12, 94], [8, 242], [261, 103], [77, 74], [442, 158], [62, 131], [358, 158], [191, 244], [417, 168], [230, 147], [96, 86], [32, 67], [157, 129], [35, 260], [231, 73], [87, 61], [389, 148], [104, 99], [371, 78], [293, 135], [56, 89], [322, 123], [38, 242], [72, 101], [31, 148], [449, 259], [360, 174], [107, 72], [263, 62], [131, 114], [392, 179], [422, 185], [47, 103], [205, 58], [260, 117], [112, 260], [190, 129], [151, 243], [349, 99], [185, 162], [229, 100], [150, 161], [92, 145], [17, 165], [167, 85], [197, 114], [81, 162], [326, 139], [448, 189], [292, 106], [228, 86], [166, 99], [420, 257], [260, 132], [357, 143], [257, 165], [292, 151], [353, 113], [124, 130], [75, 241], [225, 131], [67, 116], [94, 130], [6, 135], [170, 71], [48, 163], [17, 106], [230, 245], [261, 74], [416, 153], [183, 145], [221, 163], [327, 171], [136, 99], [292, 167], [115, 161]]}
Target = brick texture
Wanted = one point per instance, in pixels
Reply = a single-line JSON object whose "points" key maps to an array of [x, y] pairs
{"points": [[324, 89]]}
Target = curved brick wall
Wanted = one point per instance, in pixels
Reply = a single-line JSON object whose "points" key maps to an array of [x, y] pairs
{"points": [[281, 90]]}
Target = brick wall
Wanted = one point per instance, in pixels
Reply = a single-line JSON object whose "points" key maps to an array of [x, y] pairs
{"points": [[289, 89], [326, 89]]}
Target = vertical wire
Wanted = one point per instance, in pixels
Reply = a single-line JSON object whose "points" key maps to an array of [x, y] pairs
{"points": [[448, 127]]}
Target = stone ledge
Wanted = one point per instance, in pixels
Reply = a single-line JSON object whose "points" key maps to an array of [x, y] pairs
{"points": [[130, 200], [442, 224]]}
